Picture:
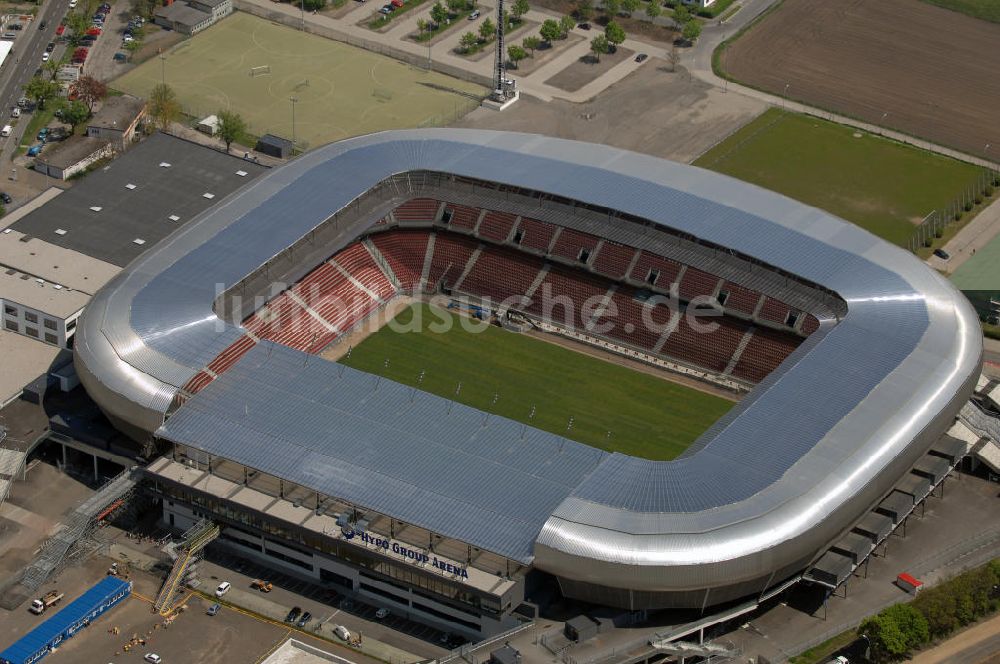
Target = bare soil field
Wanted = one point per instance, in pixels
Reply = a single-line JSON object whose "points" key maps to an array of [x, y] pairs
{"points": [[903, 64], [587, 68]]}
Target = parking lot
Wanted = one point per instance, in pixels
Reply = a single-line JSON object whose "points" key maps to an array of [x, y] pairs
{"points": [[327, 607]]}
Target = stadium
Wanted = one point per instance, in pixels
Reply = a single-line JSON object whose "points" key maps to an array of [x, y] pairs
{"points": [[850, 356]]}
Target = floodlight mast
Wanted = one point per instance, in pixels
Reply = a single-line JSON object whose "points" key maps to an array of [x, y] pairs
{"points": [[500, 65]]}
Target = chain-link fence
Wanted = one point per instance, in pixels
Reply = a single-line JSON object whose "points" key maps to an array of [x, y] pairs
{"points": [[972, 195]]}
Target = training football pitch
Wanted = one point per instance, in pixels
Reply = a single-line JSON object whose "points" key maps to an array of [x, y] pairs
{"points": [[513, 375], [881, 185], [340, 91]]}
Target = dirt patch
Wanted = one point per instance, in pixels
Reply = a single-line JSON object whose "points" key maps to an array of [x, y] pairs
{"points": [[652, 110], [909, 66], [370, 326], [543, 55], [588, 68]]}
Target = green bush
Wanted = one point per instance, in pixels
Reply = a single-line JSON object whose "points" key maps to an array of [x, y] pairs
{"points": [[968, 206], [988, 191], [895, 631]]}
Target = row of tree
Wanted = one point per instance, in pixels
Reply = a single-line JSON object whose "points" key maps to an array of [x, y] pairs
{"points": [[936, 613], [164, 109]]}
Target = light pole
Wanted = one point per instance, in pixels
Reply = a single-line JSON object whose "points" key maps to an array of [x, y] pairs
{"points": [[294, 101], [784, 95], [163, 69], [302, 8], [881, 121]]}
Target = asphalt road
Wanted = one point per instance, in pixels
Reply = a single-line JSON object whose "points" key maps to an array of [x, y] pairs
{"points": [[22, 63]]}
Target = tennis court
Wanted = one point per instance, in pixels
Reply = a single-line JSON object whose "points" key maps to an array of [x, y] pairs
{"points": [[256, 67]]}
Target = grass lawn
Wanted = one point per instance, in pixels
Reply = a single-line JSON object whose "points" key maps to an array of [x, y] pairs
{"points": [[821, 653], [988, 10], [342, 91], [648, 416], [881, 185]]}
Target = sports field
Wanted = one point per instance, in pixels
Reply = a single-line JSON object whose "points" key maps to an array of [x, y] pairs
{"points": [[647, 416], [881, 185], [342, 91]]}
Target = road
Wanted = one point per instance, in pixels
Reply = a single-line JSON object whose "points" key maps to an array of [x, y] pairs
{"points": [[978, 644], [22, 63]]}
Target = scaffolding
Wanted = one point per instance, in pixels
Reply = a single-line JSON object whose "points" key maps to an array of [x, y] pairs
{"points": [[75, 538], [194, 540]]}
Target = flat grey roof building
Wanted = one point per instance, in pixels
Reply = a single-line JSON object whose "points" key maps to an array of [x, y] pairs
{"points": [[146, 194]]}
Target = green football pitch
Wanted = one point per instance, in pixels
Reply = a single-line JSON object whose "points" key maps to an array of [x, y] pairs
{"points": [[881, 185], [341, 91], [515, 375]]}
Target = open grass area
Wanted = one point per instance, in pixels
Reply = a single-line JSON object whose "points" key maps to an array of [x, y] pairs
{"points": [[881, 185], [510, 374], [988, 10], [821, 653], [342, 91]]}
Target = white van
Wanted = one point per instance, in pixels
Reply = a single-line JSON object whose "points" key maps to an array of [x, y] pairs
{"points": [[342, 632], [6, 131], [223, 588]]}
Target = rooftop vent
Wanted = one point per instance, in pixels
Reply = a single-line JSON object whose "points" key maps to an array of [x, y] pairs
{"points": [[96, 208], [242, 174], [208, 195], [6, 231], [130, 186], [139, 241], [60, 231], [57, 287], [164, 164], [174, 217]]}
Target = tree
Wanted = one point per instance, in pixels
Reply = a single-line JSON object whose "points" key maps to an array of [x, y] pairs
{"points": [[487, 30], [653, 9], [615, 34], [77, 25], [438, 13], [630, 6], [691, 31], [566, 23], [612, 7], [90, 91], [313, 5], [232, 127], [550, 30], [681, 15], [422, 25], [74, 113], [520, 8], [163, 105], [41, 89], [895, 631], [599, 45], [585, 9], [531, 43], [51, 68], [516, 54], [455, 6], [132, 47], [468, 40], [674, 56]]}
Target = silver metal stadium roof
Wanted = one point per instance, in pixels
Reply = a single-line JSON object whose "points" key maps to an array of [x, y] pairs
{"points": [[787, 471]]}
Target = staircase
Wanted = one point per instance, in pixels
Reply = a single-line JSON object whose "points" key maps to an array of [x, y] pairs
{"points": [[194, 540]]}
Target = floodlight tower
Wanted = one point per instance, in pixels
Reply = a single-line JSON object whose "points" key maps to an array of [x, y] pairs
{"points": [[499, 65]]}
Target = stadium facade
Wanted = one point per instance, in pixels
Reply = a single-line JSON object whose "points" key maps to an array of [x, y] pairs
{"points": [[854, 355]]}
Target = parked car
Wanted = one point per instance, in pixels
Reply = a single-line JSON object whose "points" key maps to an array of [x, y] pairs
{"points": [[304, 620], [474, 15], [15, 112], [35, 150], [583, 26], [214, 609], [72, 4], [42, 133], [128, 38], [641, 57], [382, 613], [223, 588], [94, 31], [41, 26], [51, 46], [120, 57], [397, 3], [45, 56], [342, 632], [942, 254], [61, 30], [5, 197], [388, 9], [153, 658], [293, 614]]}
